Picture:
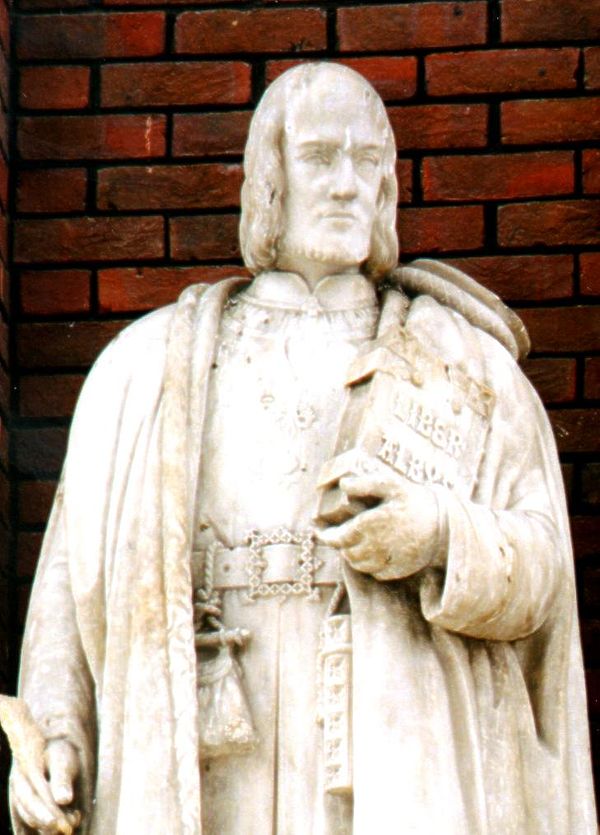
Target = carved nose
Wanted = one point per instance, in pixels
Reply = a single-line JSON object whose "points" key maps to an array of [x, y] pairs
{"points": [[344, 187]]}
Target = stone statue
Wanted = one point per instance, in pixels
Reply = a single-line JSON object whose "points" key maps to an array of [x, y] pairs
{"points": [[217, 574]]}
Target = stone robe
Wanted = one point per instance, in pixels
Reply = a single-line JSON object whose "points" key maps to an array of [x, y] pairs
{"points": [[469, 707]]}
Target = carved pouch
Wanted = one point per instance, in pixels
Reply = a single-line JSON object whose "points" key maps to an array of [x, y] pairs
{"points": [[225, 723]]}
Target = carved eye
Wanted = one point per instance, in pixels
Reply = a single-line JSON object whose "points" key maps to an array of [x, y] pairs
{"points": [[367, 160], [318, 158]]}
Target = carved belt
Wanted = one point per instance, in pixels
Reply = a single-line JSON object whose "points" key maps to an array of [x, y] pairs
{"points": [[275, 563]]}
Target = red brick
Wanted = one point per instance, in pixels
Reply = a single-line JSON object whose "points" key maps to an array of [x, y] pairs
{"points": [[208, 185], [392, 77], [522, 277], [411, 26], [54, 88], [50, 5], [131, 289], [175, 83], [5, 79], [257, 30], [130, 3], [592, 376], [28, 550], [591, 171], [592, 67], [586, 537], [39, 451], [404, 175], [4, 133], [558, 329], [35, 500], [53, 190], [118, 35], [88, 239], [4, 174], [49, 396], [48, 292], [4, 238], [576, 430], [501, 71], [206, 134], [589, 263], [554, 379], [4, 288], [497, 177], [204, 237], [555, 223], [5, 27], [547, 20], [63, 344], [92, 137], [440, 229], [439, 126], [550, 120]]}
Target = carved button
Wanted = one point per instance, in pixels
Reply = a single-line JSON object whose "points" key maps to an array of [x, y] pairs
{"points": [[226, 567], [456, 406], [417, 378]]}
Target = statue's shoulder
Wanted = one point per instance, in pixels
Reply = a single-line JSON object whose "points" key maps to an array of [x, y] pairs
{"points": [[464, 297], [481, 340], [140, 349], [140, 343]]}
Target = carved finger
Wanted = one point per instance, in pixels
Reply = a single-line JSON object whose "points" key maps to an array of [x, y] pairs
{"points": [[30, 807], [63, 766], [369, 486], [342, 536], [203, 609]]}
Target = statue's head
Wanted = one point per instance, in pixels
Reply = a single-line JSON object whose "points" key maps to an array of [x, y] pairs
{"points": [[320, 178]]}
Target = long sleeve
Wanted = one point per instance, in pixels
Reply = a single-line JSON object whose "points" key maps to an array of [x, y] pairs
{"points": [[506, 553]]}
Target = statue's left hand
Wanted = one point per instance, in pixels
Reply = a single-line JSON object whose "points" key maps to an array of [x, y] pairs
{"points": [[398, 537], [40, 802]]}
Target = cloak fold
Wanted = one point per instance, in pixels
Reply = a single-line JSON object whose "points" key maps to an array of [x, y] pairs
{"points": [[468, 695]]}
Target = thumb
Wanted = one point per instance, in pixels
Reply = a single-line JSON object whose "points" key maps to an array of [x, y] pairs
{"points": [[63, 765]]}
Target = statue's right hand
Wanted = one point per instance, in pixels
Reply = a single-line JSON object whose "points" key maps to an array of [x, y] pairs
{"points": [[37, 797]]}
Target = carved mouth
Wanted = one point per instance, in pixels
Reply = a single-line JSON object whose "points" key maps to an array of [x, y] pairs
{"points": [[340, 216]]}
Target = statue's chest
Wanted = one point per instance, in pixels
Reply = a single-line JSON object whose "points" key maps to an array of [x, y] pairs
{"points": [[276, 393], [275, 398]]}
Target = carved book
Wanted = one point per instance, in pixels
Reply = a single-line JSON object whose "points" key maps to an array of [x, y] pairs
{"points": [[410, 414]]}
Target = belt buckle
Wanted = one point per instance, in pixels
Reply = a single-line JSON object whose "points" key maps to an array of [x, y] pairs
{"points": [[303, 583]]}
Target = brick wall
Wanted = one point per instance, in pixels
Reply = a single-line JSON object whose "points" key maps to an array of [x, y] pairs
{"points": [[5, 386], [132, 116]]}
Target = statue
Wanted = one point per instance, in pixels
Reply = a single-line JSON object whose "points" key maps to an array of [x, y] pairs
{"points": [[232, 556]]}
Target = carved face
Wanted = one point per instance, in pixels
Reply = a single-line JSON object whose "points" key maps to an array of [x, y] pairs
{"points": [[333, 148]]}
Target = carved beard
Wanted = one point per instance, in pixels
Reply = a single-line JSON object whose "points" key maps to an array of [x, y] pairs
{"points": [[351, 253]]}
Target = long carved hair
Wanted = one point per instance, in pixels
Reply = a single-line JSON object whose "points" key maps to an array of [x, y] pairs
{"points": [[263, 190]]}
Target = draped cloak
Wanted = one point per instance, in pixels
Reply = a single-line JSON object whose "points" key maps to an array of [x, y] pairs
{"points": [[469, 705]]}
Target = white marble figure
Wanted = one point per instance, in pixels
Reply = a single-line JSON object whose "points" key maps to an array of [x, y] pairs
{"points": [[213, 418]]}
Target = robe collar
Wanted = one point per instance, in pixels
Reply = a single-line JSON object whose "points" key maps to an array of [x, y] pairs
{"points": [[345, 291]]}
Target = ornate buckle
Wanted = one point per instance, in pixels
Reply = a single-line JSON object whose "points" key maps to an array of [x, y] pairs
{"points": [[302, 583]]}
